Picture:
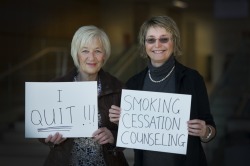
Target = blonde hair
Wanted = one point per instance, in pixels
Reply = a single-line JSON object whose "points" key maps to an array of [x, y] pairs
{"points": [[163, 22], [85, 35]]}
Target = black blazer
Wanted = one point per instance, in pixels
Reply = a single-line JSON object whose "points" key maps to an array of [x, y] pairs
{"points": [[187, 81]]}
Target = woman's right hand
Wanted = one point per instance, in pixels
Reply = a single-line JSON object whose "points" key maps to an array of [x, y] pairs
{"points": [[55, 139], [114, 114]]}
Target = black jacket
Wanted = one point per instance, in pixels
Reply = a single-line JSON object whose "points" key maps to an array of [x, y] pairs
{"points": [[187, 81]]}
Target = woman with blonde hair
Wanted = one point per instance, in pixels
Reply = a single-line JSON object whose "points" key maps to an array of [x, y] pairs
{"points": [[90, 49]]}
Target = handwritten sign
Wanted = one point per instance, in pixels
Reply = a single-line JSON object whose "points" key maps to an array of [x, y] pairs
{"points": [[154, 121], [69, 108]]}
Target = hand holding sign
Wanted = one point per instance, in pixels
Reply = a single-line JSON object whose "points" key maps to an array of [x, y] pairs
{"points": [[103, 136], [154, 121], [114, 114], [55, 139], [63, 107]]}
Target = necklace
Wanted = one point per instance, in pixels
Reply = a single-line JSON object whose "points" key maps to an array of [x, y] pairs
{"points": [[162, 78]]}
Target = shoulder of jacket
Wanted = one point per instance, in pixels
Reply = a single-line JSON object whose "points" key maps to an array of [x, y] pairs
{"points": [[109, 81], [186, 70], [139, 75]]}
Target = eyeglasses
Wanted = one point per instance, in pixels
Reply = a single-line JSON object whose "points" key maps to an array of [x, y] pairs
{"points": [[153, 40]]}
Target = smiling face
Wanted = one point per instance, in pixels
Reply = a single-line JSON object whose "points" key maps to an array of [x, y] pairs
{"points": [[159, 45], [91, 58]]}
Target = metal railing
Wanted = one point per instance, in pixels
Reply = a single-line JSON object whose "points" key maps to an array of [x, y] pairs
{"points": [[126, 64], [40, 67]]}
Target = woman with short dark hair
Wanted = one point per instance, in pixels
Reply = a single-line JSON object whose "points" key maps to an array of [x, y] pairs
{"points": [[159, 41]]}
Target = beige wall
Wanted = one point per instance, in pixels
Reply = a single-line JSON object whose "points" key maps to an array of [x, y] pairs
{"points": [[197, 37], [117, 21]]}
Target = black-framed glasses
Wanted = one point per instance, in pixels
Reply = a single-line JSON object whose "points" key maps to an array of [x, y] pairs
{"points": [[153, 40]]}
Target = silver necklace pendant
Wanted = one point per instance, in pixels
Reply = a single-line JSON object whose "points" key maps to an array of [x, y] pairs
{"points": [[154, 81]]}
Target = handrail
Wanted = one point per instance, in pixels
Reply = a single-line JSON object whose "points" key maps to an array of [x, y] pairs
{"points": [[33, 58], [125, 61]]}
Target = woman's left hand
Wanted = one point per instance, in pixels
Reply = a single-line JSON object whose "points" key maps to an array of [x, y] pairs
{"points": [[103, 136], [197, 127]]}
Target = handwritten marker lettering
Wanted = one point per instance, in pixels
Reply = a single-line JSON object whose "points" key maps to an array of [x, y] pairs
{"points": [[62, 107], [154, 121], [59, 96]]}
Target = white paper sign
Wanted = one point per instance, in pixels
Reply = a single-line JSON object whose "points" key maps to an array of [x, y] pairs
{"points": [[69, 108], [154, 121]]}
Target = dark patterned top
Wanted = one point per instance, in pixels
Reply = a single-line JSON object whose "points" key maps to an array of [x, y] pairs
{"points": [[87, 152]]}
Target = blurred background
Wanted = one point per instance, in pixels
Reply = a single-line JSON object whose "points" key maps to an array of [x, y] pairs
{"points": [[35, 38]]}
